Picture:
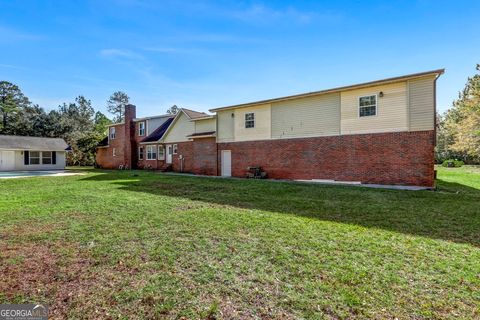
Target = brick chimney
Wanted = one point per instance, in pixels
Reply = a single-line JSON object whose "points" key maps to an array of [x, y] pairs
{"points": [[130, 145]]}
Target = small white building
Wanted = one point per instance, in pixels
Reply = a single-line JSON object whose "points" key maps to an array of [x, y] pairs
{"points": [[19, 153]]}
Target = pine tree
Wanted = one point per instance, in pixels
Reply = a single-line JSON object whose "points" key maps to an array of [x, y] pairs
{"points": [[116, 105]]}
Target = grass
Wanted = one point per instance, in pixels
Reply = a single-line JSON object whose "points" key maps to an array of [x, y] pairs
{"points": [[134, 245]]}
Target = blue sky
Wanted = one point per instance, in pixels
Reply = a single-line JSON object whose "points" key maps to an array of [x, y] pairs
{"points": [[207, 54]]}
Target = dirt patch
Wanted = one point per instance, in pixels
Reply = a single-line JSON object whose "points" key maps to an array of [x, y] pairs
{"points": [[28, 229]]}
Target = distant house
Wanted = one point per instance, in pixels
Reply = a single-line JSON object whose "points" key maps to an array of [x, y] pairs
{"points": [[375, 132], [32, 153]]}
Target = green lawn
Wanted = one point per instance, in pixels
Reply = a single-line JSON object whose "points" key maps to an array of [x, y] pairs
{"points": [[139, 245]]}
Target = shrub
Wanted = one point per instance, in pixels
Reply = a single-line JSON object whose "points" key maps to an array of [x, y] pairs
{"points": [[451, 163]]}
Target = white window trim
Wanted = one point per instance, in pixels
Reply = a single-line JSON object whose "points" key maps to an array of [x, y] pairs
{"points": [[160, 147], [144, 128], [376, 105], [51, 157], [110, 135], [245, 119], [114, 152], [174, 148], [141, 154], [153, 152], [30, 158]]}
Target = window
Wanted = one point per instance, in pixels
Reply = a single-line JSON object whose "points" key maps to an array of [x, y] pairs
{"points": [[114, 152], [34, 157], [140, 153], [250, 120], [46, 157], [161, 152], [367, 106], [112, 132], [141, 128], [175, 149], [151, 152]]}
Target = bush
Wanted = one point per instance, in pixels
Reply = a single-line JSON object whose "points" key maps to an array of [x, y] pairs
{"points": [[450, 163]]}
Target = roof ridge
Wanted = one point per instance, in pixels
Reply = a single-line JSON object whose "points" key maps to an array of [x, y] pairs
{"points": [[438, 72]]}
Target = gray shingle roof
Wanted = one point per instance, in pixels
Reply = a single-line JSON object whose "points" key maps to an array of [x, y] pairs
{"points": [[32, 143], [194, 114]]}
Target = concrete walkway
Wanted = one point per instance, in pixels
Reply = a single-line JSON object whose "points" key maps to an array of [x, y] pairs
{"points": [[29, 174], [317, 181]]}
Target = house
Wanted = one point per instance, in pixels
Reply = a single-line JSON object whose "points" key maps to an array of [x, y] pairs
{"points": [[376, 132], [32, 153], [164, 142]]}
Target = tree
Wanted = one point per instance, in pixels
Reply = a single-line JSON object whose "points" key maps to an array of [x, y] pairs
{"points": [[116, 105], [459, 128], [173, 109], [12, 100], [101, 122]]}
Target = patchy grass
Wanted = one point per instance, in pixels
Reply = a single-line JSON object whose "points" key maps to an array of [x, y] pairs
{"points": [[136, 245]]}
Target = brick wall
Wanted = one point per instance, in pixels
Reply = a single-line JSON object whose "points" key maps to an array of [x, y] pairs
{"points": [[124, 144], [184, 149], [104, 156], [130, 157], [205, 156], [405, 158], [150, 164]]}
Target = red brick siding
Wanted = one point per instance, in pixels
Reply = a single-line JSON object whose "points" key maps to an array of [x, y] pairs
{"points": [[205, 156], [104, 156], [151, 164], [405, 158], [124, 144], [184, 149]]}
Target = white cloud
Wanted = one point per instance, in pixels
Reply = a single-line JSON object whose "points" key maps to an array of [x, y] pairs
{"points": [[123, 53]]}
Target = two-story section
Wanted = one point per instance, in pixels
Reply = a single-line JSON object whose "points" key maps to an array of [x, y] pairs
{"points": [[133, 143], [190, 144], [377, 132]]}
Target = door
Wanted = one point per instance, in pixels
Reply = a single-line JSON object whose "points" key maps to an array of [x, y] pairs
{"points": [[7, 160], [226, 163], [169, 153]]}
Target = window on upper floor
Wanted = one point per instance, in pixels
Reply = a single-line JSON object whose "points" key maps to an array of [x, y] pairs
{"points": [[151, 152], [112, 132], [250, 120], [141, 128], [367, 106], [140, 153]]}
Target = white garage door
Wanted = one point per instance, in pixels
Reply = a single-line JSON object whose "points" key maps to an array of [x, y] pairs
{"points": [[7, 160]]}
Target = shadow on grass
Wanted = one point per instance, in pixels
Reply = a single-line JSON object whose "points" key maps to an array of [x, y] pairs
{"points": [[452, 213]]}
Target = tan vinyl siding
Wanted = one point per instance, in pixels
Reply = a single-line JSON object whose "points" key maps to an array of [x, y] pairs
{"points": [[262, 129], [392, 113], [225, 126], [422, 104], [205, 125], [182, 127], [306, 117]]}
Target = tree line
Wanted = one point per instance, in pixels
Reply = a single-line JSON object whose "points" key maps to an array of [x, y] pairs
{"points": [[458, 130], [77, 122]]}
